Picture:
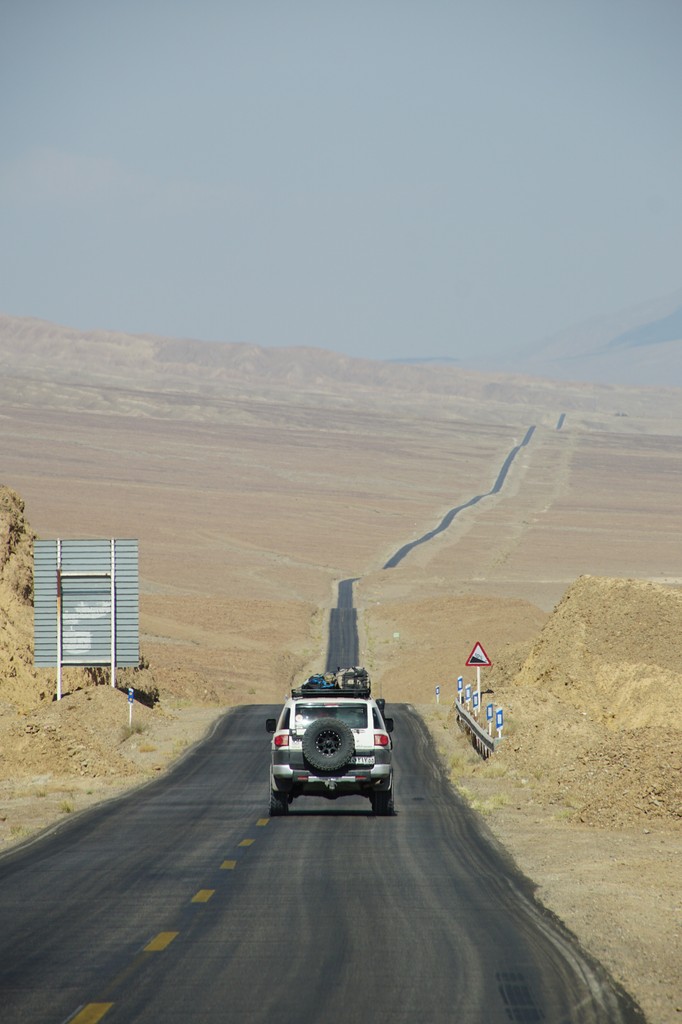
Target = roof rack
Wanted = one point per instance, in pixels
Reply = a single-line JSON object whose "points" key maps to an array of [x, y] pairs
{"points": [[347, 682]]}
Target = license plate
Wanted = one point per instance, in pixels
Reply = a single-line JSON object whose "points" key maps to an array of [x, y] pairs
{"points": [[362, 760]]}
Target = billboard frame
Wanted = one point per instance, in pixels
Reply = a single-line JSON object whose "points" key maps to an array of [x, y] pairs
{"points": [[59, 563]]}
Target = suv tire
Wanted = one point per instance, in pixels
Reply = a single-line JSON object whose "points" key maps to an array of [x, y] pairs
{"points": [[328, 744], [279, 803], [382, 802]]}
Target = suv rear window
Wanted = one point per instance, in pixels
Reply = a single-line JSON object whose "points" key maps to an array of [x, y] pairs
{"points": [[354, 715]]}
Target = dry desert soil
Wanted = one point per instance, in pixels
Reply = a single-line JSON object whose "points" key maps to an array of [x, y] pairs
{"points": [[256, 480]]}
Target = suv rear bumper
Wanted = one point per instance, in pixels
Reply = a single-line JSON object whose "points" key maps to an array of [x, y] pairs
{"points": [[298, 782]]}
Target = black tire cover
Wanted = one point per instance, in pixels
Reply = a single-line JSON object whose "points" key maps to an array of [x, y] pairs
{"points": [[328, 744]]}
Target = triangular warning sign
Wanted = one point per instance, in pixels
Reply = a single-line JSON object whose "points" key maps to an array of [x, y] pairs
{"points": [[478, 658]]}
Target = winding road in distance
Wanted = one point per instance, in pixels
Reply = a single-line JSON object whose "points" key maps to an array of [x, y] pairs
{"points": [[449, 516], [343, 647], [183, 903]]}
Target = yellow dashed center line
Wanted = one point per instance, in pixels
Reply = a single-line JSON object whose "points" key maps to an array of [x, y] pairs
{"points": [[203, 896], [262, 821], [91, 1013], [162, 940]]}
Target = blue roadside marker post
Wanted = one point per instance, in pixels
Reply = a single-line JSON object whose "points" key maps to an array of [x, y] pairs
{"points": [[499, 721], [131, 698], [489, 717], [438, 695]]}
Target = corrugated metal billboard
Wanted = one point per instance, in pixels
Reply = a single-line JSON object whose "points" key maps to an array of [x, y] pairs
{"points": [[86, 602]]}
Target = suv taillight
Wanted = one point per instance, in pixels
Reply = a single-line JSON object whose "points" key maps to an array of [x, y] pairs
{"points": [[381, 739], [282, 740]]}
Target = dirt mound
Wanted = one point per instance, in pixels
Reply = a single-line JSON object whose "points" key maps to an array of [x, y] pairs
{"points": [[83, 735], [613, 647], [21, 685], [592, 716]]}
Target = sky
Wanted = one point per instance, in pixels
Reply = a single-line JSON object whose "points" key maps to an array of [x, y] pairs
{"points": [[381, 178]]}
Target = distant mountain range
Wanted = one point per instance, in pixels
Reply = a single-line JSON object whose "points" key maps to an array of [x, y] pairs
{"points": [[668, 328], [637, 347], [428, 361]]}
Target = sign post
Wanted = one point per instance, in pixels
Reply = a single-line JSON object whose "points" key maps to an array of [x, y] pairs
{"points": [[489, 717], [477, 659], [131, 698], [499, 721]]}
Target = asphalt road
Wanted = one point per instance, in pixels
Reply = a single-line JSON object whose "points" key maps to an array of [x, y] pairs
{"points": [[183, 902], [449, 516], [343, 647]]}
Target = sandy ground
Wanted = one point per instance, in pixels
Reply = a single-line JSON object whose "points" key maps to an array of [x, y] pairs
{"points": [[617, 889], [249, 507], [39, 795]]}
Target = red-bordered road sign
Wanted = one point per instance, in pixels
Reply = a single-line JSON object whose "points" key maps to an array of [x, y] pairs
{"points": [[478, 658]]}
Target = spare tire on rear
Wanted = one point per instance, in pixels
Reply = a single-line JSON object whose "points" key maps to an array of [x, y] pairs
{"points": [[328, 744]]}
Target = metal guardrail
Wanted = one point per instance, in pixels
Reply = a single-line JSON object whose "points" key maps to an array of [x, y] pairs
{"points": [[481, 740]]}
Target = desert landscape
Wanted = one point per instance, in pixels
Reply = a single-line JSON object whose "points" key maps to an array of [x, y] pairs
{"points": [[256, 479]]}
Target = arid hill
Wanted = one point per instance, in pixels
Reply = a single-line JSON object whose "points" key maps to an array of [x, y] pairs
{"points": [[595, 703], [640, 345], [614, 648], [21, 685], [105, 371]]}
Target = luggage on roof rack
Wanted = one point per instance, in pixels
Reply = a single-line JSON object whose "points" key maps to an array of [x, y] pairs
{"points": [[353, 677], [317, 682], [347, 682]]}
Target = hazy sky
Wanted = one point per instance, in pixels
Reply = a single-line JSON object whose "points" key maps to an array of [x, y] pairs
{"points": [[379, 177]]}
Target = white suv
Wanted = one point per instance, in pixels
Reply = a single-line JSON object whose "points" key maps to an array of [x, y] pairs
{"points": [[331, 740]]}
